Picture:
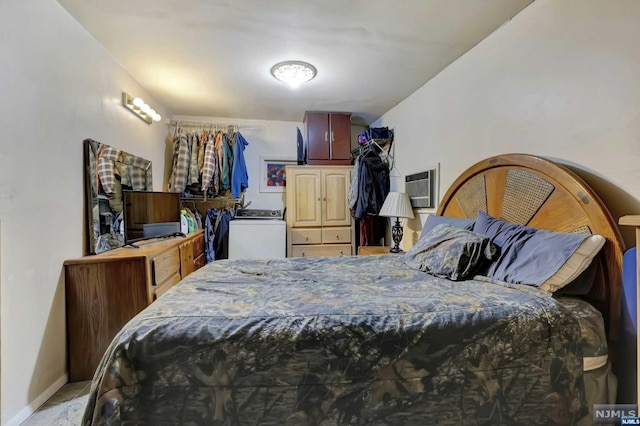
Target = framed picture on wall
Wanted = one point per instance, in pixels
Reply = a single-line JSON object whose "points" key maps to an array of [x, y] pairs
{"points": [[272, 173]]}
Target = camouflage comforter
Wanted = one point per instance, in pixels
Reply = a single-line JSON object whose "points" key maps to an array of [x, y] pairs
{"points": [[361, 340]]}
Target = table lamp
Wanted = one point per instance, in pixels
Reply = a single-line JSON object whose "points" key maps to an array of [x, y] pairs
{"points": [[397, 204]]}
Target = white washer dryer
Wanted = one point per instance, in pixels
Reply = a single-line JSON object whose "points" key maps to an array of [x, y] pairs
{"points": [[257, 238]]}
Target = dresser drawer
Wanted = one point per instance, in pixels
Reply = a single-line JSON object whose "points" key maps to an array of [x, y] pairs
{"points": [[165, 266], [199, 262], [198, 246], [162, 287], [321, 250], [336, 235], [306, 236]]}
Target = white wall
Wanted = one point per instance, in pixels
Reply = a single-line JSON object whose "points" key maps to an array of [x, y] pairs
{"points": [[268, 139], [560, 80], [58, 86]]}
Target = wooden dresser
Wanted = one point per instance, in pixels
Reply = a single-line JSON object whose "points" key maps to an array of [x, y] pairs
{"points": [[319, 221], [104, 291]]}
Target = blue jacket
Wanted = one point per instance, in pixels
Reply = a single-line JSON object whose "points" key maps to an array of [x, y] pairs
{"points": [[239, 175]]}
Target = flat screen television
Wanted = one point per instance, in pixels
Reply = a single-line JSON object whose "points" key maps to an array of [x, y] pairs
{"points": [[150, 214]]}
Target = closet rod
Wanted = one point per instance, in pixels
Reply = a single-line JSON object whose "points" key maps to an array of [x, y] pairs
{"points": [[201, 124]]}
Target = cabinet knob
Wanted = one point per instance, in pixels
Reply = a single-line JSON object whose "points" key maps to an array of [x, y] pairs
{"points": [[319, 198], [341, 253], [324, 199], [337, 237], [306, 238], [302, 254]]}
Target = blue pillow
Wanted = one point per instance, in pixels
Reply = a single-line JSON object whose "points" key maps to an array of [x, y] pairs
{"points": [[450, 252], [526, 255], [433, 221]]}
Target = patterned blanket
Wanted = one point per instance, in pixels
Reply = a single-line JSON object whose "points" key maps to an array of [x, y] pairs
{"points": [[362, 340]]}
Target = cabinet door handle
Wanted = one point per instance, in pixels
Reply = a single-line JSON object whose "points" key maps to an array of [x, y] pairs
{"points": [[326, 135], [332, 138]]}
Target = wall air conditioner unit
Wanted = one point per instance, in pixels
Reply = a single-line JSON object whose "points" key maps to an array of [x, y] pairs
{"points": [[420, 188]]}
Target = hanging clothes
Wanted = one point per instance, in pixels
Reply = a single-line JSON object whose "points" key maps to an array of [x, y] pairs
{"points": [[201, 145], [352, 197], [372, 230], [180, 170], [107, 156], [239, 174], [216, 234], [207, 163], [210, 164], [221, 240], [194, 171], [224, 160], [374, 184], [210, 234]]}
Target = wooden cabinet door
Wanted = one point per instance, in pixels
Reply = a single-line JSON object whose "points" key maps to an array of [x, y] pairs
{"points": [[318, 136], [335, 188], [340, 137], [304, 196]]}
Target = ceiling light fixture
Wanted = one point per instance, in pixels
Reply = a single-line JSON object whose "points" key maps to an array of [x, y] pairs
{"points": [[293, 72], [140, 108]]}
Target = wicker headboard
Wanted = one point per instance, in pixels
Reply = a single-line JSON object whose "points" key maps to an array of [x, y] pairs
{"points": [[539, 193]]}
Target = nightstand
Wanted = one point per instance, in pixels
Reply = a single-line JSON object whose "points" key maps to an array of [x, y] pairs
{"points": [[375, 250]]}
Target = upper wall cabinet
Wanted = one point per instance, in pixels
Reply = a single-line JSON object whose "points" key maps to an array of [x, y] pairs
{"points": [[329, 138]]}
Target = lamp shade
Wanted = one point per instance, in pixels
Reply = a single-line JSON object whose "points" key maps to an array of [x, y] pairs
{"points": [[397, 204]]}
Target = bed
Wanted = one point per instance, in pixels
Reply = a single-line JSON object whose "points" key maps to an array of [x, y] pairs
{"points": [[370, 340]]}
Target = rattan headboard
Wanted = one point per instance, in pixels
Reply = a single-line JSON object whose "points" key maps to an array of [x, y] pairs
{"points": [[539, 193]]}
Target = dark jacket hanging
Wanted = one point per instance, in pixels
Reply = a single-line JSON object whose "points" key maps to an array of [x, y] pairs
{"points": [[373, 184]]}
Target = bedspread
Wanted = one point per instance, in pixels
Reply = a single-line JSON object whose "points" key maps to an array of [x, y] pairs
{"points": [[341, 340]]}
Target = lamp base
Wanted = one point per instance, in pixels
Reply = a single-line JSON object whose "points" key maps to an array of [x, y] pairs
{"points": [[396, 234]]}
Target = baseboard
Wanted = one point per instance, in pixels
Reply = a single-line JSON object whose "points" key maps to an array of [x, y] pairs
{"points": [[36, 403]]}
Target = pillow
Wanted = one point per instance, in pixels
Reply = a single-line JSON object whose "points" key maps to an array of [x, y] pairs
{"points": [[546, 259], [450, 252], [434, 220], [582, 285]]}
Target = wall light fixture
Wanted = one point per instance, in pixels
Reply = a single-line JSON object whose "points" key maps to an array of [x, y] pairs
{"points": [[140, 108]]}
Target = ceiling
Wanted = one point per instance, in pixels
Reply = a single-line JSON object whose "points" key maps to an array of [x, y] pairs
{"points": [[213, 57]]}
